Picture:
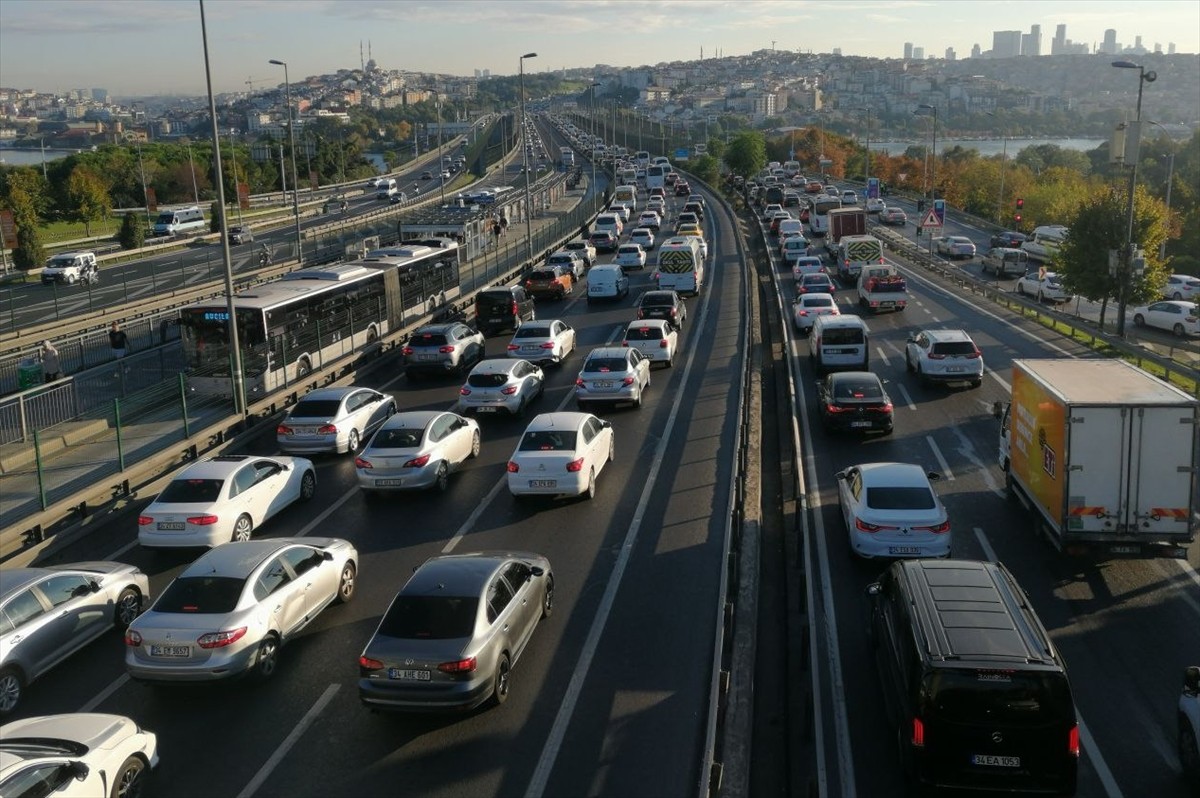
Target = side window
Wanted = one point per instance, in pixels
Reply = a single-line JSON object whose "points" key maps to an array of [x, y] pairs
{"points": [[273, 577], [243, 480], [302, 559], [498, 597], [61, 589], [264, 470], [37, 781], [855, 481], [593, 427], [517, 574], [588, 433], [23, 608], [356, 400], [440, 427]]}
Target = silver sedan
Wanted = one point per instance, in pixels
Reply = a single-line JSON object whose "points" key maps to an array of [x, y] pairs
{"points": [[543, 341], [417, 449], [333, 420]]}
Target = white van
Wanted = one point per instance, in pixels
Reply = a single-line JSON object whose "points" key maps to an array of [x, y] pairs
{"points": [[1044, 242], [681, 265], [385, 188], [626, 195], [608, 222], [839, 343], [607, 281], [794, 249]]}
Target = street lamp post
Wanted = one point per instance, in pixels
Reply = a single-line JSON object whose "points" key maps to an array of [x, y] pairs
{"points": [[192, 167], [525, 155], [933, 148], [866, 151], [1144, 77], [592, 154], [292, 141], [236, 189], [441, 170], [1003, 169], [1162, 247]]}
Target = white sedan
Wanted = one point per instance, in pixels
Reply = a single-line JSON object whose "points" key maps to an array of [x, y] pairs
{"points": [[224, 498], [643, 237], [806, 308], [955, 246], [891, 510], [417, 449], [1177, 317], [631, 256], [561, 454], [656, 339], [542, 341], [875, 205], [1045, 286], [79, 755]]}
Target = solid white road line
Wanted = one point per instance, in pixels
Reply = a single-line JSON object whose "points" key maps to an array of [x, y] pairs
{"points": [[946, 472], [99, 698], [269, 766], [883, 356], [330, 510], [989, 553], [907, 399]]}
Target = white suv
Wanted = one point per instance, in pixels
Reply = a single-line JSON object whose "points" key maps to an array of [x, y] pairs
{"points": [[944, 356]]}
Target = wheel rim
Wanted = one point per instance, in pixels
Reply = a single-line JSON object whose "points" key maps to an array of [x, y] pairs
{"points": [[502, 679], [10, 692], [130, 783], [268, 658], [308, 486], [1179, 330], [128, 605], [548, 599], [346, 588], [442, 477], [241, 531], [303, 369], [352, 443], [591, 488], [475, 445]]}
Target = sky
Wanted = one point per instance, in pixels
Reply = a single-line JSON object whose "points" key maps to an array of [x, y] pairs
{"points": [[148, 47]]}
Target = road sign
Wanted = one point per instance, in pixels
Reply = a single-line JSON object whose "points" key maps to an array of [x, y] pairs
{"points": [[681, 154], [939, 207], [931, 220], [872, 187]]}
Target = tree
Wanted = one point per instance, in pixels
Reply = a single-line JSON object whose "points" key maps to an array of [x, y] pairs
{"points": [[747, 153], [87, 197], [132, 234], [23, 193], [216, 215], [706, 168]]}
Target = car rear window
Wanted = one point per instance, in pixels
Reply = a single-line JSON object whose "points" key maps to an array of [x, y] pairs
{"points": [[644, 334], [542, 274], [857, 389], [954, 348], [548, 441], [888, 498], [430, 617], [657, 299], [494, 299], [315, 408], [628, 250], [190, 491], [1000, 696], [487, 380], [842, 335], [817, 302], [398, 438], [605, 364], [532, 331], [201, 595], [428, 339]]}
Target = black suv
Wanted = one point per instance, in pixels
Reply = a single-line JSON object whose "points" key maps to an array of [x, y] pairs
{"points": [[977, 692], [502, 307], [666, 305], [1010, 239]]}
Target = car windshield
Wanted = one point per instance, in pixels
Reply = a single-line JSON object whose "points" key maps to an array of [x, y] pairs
{"points": [[430, 617], [532, 331], [398, 438], [315, 408], [603, 365], [548, 441], [201, 595], [428, 339], [891, 498], [190, 491], [1000, 696]]}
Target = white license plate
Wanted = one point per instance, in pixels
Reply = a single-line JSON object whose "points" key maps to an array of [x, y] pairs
{"points": [[170, 526], [602, 384], [486, 409], [427, 357], [530, 348], [543, 483], [388, 483], [903, 550], [170, 651], [860, 423], [408, 675], [887, 304], [1124, 549], [954, 369], [991, 760]]}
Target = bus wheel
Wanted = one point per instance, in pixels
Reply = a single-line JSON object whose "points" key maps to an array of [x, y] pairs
{"points": [[303, 368]]}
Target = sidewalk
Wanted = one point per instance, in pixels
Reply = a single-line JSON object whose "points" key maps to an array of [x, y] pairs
{"points": [[80, 468]]}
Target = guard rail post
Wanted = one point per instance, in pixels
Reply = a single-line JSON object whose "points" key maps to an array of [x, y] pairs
{"points": [[187, 425], [41, 474]]}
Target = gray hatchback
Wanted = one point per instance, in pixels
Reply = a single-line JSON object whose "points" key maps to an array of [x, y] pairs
{"points": [[442, 349]]}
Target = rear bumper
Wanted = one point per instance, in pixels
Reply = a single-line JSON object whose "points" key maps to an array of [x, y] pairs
{"points": [[390, 696]]}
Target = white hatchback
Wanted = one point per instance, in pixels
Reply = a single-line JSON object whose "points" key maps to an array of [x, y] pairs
{"points": [[1177, 317], [561, 454], [807, 307], [891, 510], [656, 339], [1044, 285]]}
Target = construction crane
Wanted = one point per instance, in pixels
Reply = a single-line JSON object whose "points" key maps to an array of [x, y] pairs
{"points": [[251, 81]]}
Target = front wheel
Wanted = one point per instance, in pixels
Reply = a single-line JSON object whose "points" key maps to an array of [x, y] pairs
{"points": [[548, 598], [1139, 320], [127, 607], [347, 583], [128, 780], [476, 445], [12, 687], [308, 486]]}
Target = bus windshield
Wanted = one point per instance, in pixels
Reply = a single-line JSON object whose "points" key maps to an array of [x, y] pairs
{"points": [[205, 334]]}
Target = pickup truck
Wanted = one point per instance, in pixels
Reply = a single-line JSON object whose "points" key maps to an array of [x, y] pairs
{"points": [[1004, 260], [881, 287]]}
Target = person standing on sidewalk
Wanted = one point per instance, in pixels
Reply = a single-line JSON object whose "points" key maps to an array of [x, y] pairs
{"points": [[51, 367], [118, 340]]}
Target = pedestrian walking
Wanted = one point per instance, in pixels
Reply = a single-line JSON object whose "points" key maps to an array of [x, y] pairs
{"points": [[51, 367], [118, 340]]}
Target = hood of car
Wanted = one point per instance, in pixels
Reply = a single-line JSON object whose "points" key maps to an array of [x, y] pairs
{"points": [[92, 729]]}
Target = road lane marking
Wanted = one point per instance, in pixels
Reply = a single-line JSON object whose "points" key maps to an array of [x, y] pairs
{"points": [[101, 696], [988, 552], [123, 550], [265, 771], [883, 356], [907, 399], [941, 460], [967, 450], [311, 525]]}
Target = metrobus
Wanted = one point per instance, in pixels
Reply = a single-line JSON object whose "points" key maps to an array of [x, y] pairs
{"points": [[568, 156], [681, 265], [818, 215], [181, 220], [310, 318]]}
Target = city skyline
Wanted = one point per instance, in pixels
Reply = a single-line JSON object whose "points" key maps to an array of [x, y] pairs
{"points": [[322, 36]]}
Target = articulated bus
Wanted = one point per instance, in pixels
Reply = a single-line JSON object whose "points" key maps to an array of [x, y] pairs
{"points": [[181, 220], [818, 215], [290, 327]]}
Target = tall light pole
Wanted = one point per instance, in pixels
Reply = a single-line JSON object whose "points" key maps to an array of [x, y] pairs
{"points": [[525, 155], [1003, 169], [1162, 247], [933, 155], [592, 154], [441, 171], [137, 139], [236, 188], [292, 140], [192, 166], [866, 150], [1144, 77]]}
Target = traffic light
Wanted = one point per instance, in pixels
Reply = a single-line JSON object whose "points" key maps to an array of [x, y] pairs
{"points": [[1020, 207]]}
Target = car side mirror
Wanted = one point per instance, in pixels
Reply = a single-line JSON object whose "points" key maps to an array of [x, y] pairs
{"points": [[537, 570], [1191, 678], [874, 589], [933, 476], [840, 475], [912, 339], [327, 556], [606, 424], [94, 586], [78, 770]]}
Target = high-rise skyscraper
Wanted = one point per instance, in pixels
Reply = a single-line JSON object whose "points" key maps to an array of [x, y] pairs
{"points": [[950, 54], [908, 47], [976, 51], [1058, 45], [918, 54], [1031, 43], [1170, 48], [1110, 42], [1006, 43]]}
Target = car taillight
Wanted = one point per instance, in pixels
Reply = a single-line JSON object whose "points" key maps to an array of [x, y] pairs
{"points": [[464, 391], [515, 310], [408, 350], [145, 520], [975, 354], [548, 345], [132, 638], [863, 526], [327, 429], [529, 283], [360, 462], [673, 311], [509, 390], [627, 381], [932, 356], [458, 666], [512, 467], [445, 350], [221, 639], [832, 408], [368, 664], [579, 382], [937, 529], [664, 343], [641, 313], [283, 429], [918, 733], [513, 347], [417, 462], [802, 313], [886, 407], [202, 520], [1073, 741], [575, 465]]}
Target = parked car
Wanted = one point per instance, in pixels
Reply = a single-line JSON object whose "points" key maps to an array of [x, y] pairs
{"points": [[49, 613], [667, 305], [229, 612], [954, 247], [656, 339], [543, 341], [561, 454], [612, 375], [944, 356], [891, 215], [807, 307], [442, 349], [501, 385], [334, 420], [1177, 317], [503, 307], [854, 401], [415, 450], [891, 510], [1044, 285], [75, 755], [451, 636], [224, 498]]}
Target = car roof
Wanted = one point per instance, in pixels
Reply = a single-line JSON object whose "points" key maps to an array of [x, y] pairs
{"points": [[337, 392], [606, 351], [941, 335], [804, 298], [432, 328], [1183, 303], [855, 376], [412, 419], [218, 467], [495, 365], [660, 295], [646, 323], [899, 475], [240, 559], [458, 574], [563, 419]]}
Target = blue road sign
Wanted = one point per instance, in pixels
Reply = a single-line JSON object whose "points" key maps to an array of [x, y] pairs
{"points": [[872, 187], [681, 154], [939, 207]]}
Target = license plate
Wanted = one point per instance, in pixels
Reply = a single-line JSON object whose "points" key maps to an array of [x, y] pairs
{"points": [[954, 369], [170, 651], [543, 483], [1125, 549], [170, 526], [486, 409], [497, 320], [991, 760], [603, 384], [887, 304], [427, 357], [903, 550], [530, 348], [388, 483], [860, 423], [408, 675]]}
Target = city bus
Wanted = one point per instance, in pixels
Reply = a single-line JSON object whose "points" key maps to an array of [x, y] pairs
{"points": [[656, 176], [179, 221], [818, 215], [309, 318]]}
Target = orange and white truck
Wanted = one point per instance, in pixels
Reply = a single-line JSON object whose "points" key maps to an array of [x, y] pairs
{"points": [[1103, 454]]}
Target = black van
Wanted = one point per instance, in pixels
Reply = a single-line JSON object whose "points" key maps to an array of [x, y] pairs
{"points": [[977, 692], [502, 307]]}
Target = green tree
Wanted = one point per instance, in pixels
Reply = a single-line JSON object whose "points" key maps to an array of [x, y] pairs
{"points": [[215, 216], [747, 153], [23, 193], [716, 147], [706, 168], [132, 234], [87, 197]]}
